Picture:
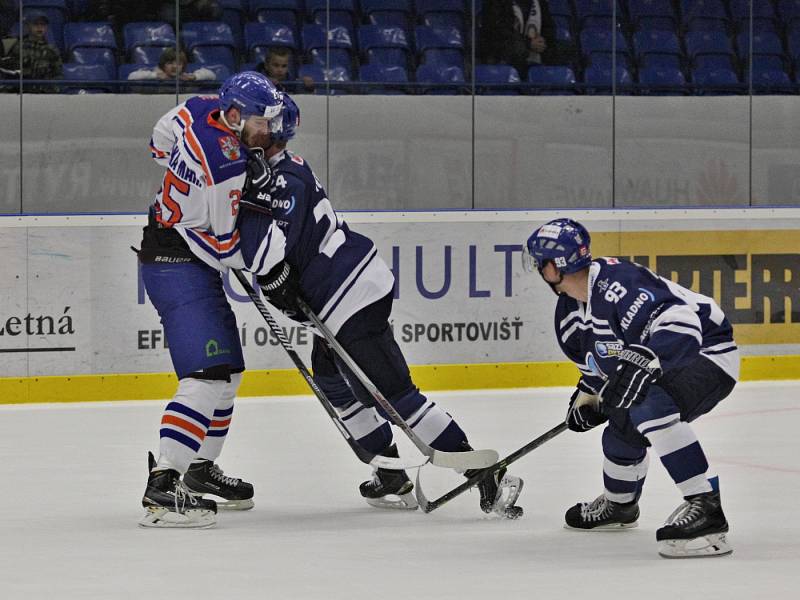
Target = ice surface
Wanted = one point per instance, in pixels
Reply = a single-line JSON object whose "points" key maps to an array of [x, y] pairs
{"points": [[73, 475]]}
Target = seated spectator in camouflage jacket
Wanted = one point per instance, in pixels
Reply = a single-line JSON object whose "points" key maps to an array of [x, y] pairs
{"points": [[40, 60]]}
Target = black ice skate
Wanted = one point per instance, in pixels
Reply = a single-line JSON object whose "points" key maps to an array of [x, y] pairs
{"points": [[169, 504], [602, 514], [389, 488], [499, 492], [205, 477], [698, 527]]}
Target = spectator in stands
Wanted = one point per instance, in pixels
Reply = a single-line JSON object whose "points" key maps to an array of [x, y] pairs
{"points": [[7, 16], [276, 67], [171, 65], [39, 59], [519, 33]]}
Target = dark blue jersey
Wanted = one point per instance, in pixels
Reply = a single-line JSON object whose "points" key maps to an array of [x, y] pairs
{"points": [[340, 270], [629, 304]]}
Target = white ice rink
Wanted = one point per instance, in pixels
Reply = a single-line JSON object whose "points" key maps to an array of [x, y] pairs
{"points": [[72, 477]]}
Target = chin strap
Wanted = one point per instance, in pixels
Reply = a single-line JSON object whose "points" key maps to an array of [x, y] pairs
{"points": [[237, 129]]}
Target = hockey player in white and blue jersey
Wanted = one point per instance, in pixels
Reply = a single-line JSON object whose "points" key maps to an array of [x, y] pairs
{"points": [[296, 245], [653, 357]]}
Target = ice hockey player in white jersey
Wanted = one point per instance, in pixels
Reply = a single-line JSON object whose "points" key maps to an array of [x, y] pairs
{"points": [[653, 357], [294, 242], [203, 145]]}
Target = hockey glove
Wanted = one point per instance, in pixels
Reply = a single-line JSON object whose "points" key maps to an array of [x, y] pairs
{"points": [[582, 414], [637, 368], [258, 181], [281, 287]]}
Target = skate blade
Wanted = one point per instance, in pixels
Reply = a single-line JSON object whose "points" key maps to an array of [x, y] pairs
{"points": [[392, 501], [605, 528], [158, 517], [715, 544], [246, 504], [507, 494]]}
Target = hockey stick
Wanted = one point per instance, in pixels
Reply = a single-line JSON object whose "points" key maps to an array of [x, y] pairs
{"points": [[431, 505], [473, 459], [375, 460]]}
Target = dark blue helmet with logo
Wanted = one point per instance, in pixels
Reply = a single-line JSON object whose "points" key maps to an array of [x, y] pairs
{"points": [[563, 242]]}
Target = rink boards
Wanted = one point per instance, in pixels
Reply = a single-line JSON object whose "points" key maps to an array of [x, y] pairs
{"points": [[75, 323]]}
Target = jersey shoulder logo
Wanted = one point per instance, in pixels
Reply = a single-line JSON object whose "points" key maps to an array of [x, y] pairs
{"points": [[230, 147], [612, 261], [298, 159]]}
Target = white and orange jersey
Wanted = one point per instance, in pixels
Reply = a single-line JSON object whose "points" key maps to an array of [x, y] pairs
{"points": [[205, 171]]}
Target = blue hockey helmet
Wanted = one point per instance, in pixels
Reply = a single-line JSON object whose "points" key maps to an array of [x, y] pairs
{"points": [[284, 128], [563, 241], [253, 94]]}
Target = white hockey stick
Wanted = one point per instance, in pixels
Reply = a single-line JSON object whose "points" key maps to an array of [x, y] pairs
{"points": [[473, 459], [375, 460]]}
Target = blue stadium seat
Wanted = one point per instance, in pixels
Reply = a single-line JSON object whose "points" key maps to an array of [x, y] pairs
{"points": [[238, 5], [638, 9], [89, 35], [556, 80], [256, 5], [444, 19], [788, 11], [448, 81], [145, 55], [656, 42], [444, 57], [563, 30], [718, 82], [214, 55], [328, 48], [699, 43], [714, 62], [597, 40], [386, 75], [793, 43], [561, 8], [259, 37], [443, 13], [494, 80], [321, 74], [763, 43], [656, 24], [370, 6], [770, 81], [94, 56], [335, 19], [207, 33], [662, 82], [339, 9], [429, 38], [597, 80], [148, 33], [384, 45], [704, 15], [593, 8], [287, 18], [89, 73], [607, 59]]}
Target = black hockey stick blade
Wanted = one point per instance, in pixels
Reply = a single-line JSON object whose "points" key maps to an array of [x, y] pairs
{"points": [[374, 460], [472, 459], [431, 505]]}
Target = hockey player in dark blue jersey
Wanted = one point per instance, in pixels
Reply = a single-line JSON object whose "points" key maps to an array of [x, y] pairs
{"points": [[653, 357], [296, 245]]}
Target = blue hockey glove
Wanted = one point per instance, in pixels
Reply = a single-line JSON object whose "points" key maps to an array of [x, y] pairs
{"points": [[637, 368], [258, 181], [583, 415], [281, 286]]}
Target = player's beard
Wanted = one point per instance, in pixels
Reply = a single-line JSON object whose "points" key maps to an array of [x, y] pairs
{"points": [[259, 139]]}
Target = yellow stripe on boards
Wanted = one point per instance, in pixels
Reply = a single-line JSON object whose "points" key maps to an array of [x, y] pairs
{"points": [[288, 382]]}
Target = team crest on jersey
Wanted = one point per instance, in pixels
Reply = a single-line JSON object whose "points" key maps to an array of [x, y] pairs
{"points": [[230, 147]]}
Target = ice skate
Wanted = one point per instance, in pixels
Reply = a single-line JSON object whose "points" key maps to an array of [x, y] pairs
{"points": [[697, 528], [204, 477], [389, 488], [602, 514], [169, 504], [498, 493]]}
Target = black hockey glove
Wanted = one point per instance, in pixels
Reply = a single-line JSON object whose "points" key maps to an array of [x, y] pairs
{"points": [[582, 415], [258, 181], [637, 368], [281, 286]]}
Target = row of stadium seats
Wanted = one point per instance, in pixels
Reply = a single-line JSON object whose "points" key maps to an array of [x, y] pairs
{"points": [[434, 79]]}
